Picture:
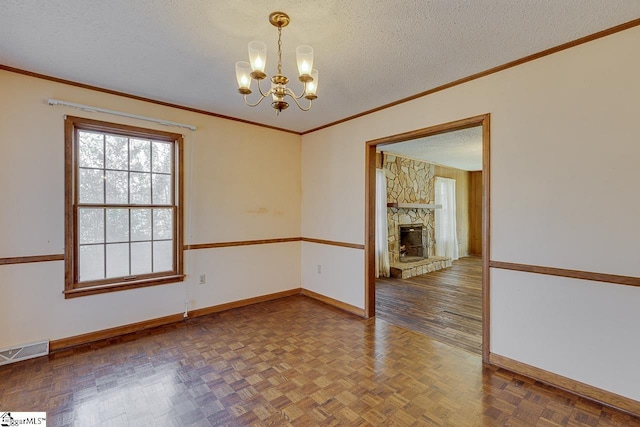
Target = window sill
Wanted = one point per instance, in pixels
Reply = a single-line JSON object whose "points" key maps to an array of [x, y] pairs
{"points": [[115, 287]]}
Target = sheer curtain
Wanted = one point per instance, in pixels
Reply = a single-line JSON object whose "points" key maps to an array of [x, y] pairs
{"points": [[446, 236], [382, 245]]}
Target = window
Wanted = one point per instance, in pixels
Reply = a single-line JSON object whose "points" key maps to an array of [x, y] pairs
{"points": [[123, 208]]}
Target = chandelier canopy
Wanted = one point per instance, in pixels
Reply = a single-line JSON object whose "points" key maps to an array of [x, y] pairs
{"points": [[247, 72]]}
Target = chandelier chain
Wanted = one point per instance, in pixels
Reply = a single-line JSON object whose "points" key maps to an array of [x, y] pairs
{"points": [[279, 49]]}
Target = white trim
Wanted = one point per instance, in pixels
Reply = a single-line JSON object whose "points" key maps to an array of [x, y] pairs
{"points": [[118, 113]]}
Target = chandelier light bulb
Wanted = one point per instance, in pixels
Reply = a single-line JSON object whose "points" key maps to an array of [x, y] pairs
{"points": [[243, 75], [312, 86], [304, 58], [257, 57]]}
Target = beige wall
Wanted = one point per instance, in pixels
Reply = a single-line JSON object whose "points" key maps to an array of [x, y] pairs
{"points": [[243, 182], [554, 121]]}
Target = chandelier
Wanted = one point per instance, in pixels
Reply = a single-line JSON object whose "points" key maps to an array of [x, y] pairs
{"points": [[247, 72]]}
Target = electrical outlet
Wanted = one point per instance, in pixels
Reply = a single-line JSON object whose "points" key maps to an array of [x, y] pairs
{"points": [[319, 269], [202, 279]]}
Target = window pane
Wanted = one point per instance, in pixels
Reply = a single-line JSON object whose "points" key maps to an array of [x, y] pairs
{"points": [[118, 260], [117, 149], [90, 226], [162, 157], [117, 187], [91, 186], [140, 187], [140, 152], [162, 224], [161, 189], [140, 224], [91, 262], [90, 150], [141, 258], [163, 256], [117, 225]]}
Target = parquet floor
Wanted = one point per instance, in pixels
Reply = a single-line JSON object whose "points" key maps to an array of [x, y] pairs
{"points": [[293, 361], [444, 304]]}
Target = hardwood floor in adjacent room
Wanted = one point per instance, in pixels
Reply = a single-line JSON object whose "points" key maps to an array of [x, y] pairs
{"points": [[292, 361], [445, 304]]}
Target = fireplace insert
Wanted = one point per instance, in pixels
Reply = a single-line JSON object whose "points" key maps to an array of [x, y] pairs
{"points": [[411, 242]]}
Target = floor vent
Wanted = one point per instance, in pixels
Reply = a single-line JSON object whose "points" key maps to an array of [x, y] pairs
{"points": [[27, 351]]}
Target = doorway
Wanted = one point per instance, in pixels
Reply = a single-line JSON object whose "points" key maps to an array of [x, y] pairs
{"points": [[370, 202]]}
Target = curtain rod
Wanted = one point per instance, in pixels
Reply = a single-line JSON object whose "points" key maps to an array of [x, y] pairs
{"points": [[118, 113]]}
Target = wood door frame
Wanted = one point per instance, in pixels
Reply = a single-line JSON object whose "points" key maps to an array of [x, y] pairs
{"points": [[370, 211]]}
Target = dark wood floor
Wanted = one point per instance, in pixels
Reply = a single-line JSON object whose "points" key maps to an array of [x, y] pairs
{"points": [[293, 361], [445, 304]]}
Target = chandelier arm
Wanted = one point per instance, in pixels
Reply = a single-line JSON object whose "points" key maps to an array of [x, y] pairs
{"points": [[257, 103], [291, 94], [264, 95]]}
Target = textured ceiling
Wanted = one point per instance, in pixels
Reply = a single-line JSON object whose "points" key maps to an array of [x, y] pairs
{"points": [[461, 149], [368, 53]]}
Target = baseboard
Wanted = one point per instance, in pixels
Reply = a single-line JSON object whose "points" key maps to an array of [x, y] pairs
{"points": [[333, 302], [586, 391], [117, 331], [243, 303]]}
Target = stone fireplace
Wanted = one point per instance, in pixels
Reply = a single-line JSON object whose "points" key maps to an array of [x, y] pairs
{"points": [[411, 232], [409, 181]]}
